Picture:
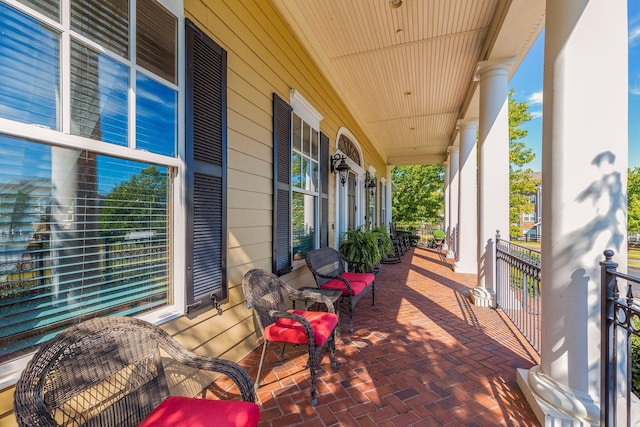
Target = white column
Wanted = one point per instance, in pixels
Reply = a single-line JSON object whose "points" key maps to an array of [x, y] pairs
{"points": [[584, 169], [453, 201], [493, 143], [467, 261], [447, 199]]}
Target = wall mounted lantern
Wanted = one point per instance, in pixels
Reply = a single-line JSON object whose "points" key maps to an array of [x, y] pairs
{"points": [[342, 168], [370, 182]]}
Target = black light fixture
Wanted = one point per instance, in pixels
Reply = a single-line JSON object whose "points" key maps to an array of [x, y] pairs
{"points": [[342, 168], [370, 182]]}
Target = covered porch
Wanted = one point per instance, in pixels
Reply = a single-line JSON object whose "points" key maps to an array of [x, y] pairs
{"points": [[423, 355]]}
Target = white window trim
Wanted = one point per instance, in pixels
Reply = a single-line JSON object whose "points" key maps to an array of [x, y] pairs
{"points": [[303, 109], [11, 370]]}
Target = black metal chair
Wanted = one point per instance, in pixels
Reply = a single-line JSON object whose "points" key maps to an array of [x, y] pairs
{"points": [[265, 292], [329, 272]]}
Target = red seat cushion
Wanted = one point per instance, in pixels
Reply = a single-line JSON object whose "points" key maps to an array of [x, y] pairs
{"points": [[358, 282], [291, 331], [179, 411]]}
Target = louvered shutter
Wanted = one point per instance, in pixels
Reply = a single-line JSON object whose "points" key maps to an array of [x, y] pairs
{"points": [[281, 186], [324, 190], [206, 158]]}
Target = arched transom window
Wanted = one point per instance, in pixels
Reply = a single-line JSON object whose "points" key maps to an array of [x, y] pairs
{"points": [[349, 149]]}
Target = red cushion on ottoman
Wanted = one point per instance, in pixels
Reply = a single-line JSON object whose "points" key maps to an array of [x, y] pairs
{"points": [[179, 411], [357, 281], [290, 331]]}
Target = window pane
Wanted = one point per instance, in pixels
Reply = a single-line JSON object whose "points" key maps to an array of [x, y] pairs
{"points": [[296, 170], [306, 139], [104, 22], [304, 176], [303, 210], [29, 70], [49, 8], [99, 88], [156, 39], [297, 133], [156, 123], [314, 144], [81, 235], [313, 174]]}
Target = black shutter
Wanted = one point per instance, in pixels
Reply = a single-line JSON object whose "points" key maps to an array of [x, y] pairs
{"points": [[206, 160], [324, 190], [281, 186]]}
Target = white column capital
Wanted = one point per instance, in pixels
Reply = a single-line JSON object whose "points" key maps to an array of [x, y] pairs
{"points": [[463, 123], [497, 66]]}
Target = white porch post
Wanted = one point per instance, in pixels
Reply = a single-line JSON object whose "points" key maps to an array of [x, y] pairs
{"points": [[493, 143], [447, 199], [584, 169], [453, 200], [467, 199]]}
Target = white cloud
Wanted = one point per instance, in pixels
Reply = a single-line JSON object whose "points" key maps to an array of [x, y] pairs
{"points": [[634, 90], [535, 98], [634, 35], [535, 114]]}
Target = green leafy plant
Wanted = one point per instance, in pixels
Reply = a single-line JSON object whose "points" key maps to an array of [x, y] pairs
{"points": [[438, 234], [365, 247]]}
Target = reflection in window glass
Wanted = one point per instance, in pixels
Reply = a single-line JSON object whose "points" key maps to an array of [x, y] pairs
{"points": [[61, 209], [156, 117], [156, 39], [98, 96], [29, 70], [303, 211], [104, 22], [296, 170], [49, 8], [297, 133]]}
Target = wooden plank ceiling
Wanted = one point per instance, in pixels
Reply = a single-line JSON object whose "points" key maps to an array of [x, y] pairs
{"points": [[407, 73]]}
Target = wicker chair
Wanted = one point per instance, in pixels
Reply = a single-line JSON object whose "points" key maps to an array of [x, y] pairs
{"points": [[120, 371], [328, 268], [265, 292]]}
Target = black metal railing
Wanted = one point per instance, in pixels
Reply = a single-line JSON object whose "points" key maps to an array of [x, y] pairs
{"points": [[620, 347], [518, 286]]}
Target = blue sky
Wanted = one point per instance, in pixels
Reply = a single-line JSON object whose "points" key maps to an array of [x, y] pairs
{"points": [[527, 86]]}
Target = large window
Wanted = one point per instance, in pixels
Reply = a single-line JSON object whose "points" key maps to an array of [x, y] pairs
{"points": [[88, 155], [300, 194], [304, 185]]}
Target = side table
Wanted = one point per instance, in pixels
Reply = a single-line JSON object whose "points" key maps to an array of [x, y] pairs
{"points": [[333, 294]]}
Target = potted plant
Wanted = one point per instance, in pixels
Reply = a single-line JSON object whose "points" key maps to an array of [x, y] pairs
{"points": [[366, 248]]}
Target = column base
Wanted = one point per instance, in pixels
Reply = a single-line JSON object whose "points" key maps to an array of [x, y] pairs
{"points": [[482, 297], [555, 404]]}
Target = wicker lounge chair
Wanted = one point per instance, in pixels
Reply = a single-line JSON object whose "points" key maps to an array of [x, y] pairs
{"points": [[328, 268], [120, 371], [266, 294]]}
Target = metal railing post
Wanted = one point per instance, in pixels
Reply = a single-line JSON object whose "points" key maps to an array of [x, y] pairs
{"points": [[608, 347]]}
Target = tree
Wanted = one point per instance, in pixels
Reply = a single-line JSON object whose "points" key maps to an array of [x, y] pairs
{"points": [[521, 179], [633, 200], [419, 193], [137, 204]]}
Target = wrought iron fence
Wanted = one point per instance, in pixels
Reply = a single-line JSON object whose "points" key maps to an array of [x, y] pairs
{"points": [[620, 348], [518, 286]]}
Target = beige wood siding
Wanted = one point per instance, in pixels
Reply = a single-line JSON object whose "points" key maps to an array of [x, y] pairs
{"points": [[263, 58]]}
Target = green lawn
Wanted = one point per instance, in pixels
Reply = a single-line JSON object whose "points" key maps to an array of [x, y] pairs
{"points": [[633, 256]]}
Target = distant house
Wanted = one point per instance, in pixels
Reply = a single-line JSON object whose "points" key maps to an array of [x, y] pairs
{"points": [[530, 223]]}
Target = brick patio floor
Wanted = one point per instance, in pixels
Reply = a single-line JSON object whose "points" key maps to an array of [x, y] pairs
{"points": [[422, 356]]}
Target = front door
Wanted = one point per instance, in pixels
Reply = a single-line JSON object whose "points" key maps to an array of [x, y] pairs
{"points": [[352, 182]]}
